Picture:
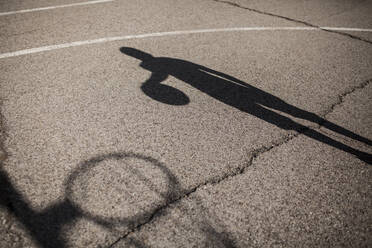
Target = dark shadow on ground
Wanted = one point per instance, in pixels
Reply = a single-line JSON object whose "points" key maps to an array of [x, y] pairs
{"points": [[45, 226], [237, 94]]}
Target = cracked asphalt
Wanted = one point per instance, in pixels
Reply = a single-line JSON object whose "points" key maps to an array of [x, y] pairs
{"points": [[257, 138]]}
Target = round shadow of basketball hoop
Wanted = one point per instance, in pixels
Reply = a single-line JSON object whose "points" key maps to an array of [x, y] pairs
{"points": [[96, 187]]}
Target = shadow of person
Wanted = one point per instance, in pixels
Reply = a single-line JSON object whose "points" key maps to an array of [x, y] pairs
{"points": [[235, 93]]}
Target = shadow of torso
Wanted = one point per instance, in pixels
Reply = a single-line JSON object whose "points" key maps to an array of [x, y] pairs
{"points": [[221, 87]]}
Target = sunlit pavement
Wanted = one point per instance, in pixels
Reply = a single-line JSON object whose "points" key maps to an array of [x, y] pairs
{"points": [[185, 123]]}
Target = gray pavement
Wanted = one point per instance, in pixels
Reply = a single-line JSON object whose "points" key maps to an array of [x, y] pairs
{"points": [[225, 139]]}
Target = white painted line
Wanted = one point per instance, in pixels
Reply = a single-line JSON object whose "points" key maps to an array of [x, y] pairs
{"points": [[54, 7], [141, 36], [347, 29]]}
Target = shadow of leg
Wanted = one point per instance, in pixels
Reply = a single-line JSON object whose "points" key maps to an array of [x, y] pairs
{"points": [[288, 124], [303, 114], [367, 158]]}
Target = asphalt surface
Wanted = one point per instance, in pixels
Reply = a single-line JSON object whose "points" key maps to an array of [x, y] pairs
{"points": [[255, 138]]}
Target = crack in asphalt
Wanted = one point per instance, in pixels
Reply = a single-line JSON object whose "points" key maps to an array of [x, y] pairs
{"points": [[266, 13], [293, 20], [341, 97], [213, 181], [252, 156]]}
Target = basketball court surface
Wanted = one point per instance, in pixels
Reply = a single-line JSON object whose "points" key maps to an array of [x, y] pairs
{"points": [[185, 123]]}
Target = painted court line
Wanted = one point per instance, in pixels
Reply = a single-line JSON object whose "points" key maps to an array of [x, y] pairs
{"points": [[54, 7], [347, 29], [172, 33]]}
